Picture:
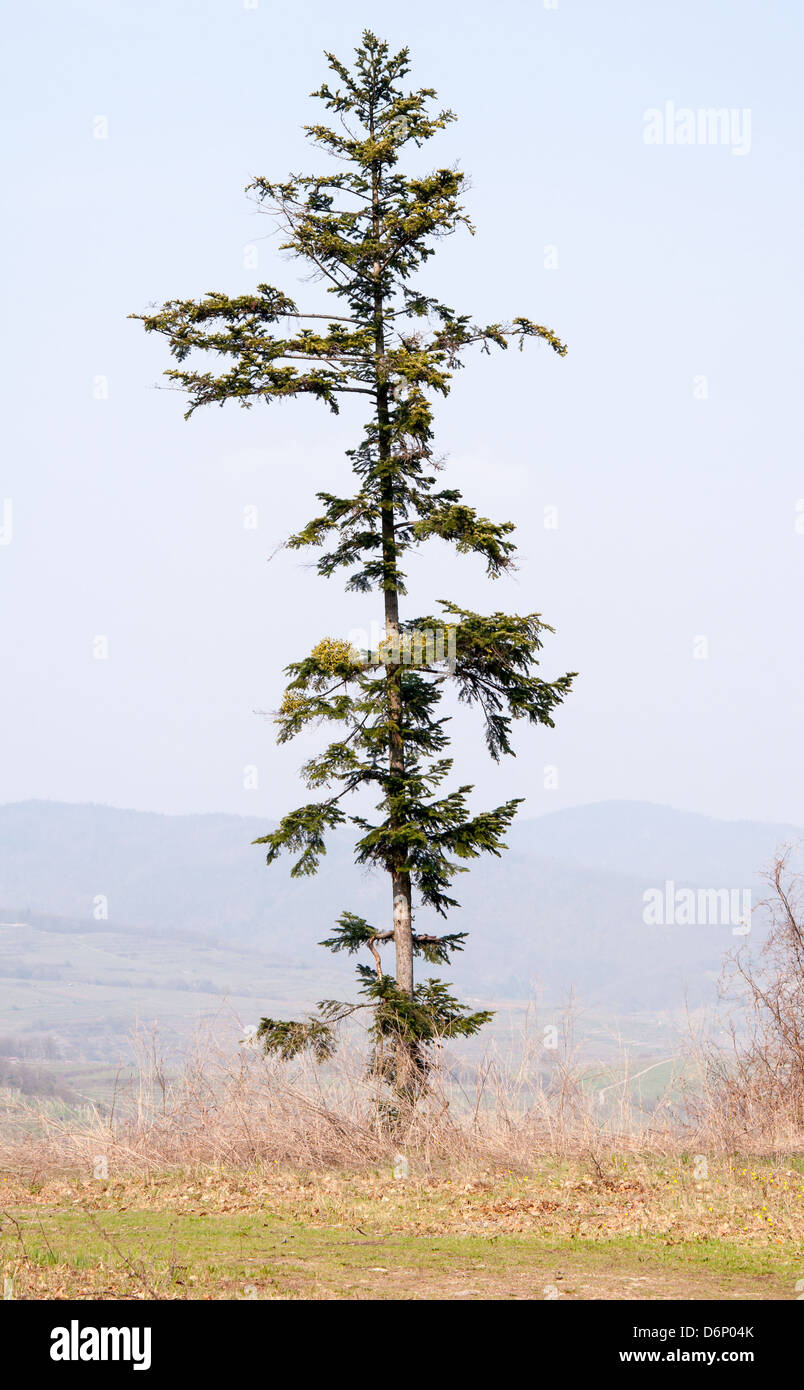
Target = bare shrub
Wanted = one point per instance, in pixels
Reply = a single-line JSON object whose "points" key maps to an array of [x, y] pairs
{"points": [[751, 1092], [242, 1109]]}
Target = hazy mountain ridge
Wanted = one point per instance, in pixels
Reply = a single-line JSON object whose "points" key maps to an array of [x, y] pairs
{"points": [[564, 906]]}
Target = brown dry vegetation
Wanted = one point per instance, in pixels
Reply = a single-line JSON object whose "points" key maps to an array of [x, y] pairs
{"points": [[629, 1226], [248, 1177]]}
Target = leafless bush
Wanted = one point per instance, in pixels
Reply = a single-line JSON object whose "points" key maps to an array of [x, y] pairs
{"points": [[752, 1082], [240, 1110]]}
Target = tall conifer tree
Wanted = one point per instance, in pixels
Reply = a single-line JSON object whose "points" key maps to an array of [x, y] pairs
{"points": [[365, 228]]}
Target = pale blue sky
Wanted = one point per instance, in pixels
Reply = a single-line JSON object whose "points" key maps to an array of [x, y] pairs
{"points": [[677, 515]]}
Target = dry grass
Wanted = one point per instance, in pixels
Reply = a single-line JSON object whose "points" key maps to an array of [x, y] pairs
{"points": [[677, 1199], [631, 1228], [246, 1109], [249, 1174], [237, 1110], [506, 1178]]}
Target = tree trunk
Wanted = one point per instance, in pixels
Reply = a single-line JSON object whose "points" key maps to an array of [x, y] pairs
{"points": [[400, 878]]}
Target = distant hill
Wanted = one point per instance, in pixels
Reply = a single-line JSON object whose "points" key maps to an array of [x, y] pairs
{"points": [[564, 907], [87, 984], [658, 843]]}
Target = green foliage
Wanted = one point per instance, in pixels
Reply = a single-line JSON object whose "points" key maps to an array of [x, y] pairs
{"points": [[413, 1025], [365, 228], [288, 1039], [420, 1023], [352, 933]]}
